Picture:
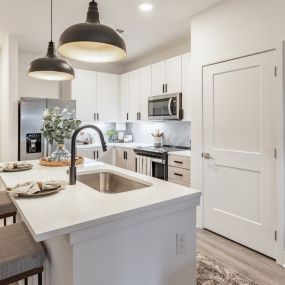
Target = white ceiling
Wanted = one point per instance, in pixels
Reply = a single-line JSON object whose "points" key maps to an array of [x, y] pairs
{"points": [[169, 22]]}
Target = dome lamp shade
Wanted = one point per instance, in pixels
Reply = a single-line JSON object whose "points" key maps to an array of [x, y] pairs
{"points": [[51, 67], [92, 41]]}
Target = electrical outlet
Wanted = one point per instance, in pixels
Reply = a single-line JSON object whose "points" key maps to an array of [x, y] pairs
{"points": [[180, 243]]}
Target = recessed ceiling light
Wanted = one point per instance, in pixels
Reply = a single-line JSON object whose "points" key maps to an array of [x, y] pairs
{"points": [[146, 7]]}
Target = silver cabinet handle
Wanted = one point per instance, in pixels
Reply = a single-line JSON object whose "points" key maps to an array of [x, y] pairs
{"points": [[206, 155], [169, 106]]}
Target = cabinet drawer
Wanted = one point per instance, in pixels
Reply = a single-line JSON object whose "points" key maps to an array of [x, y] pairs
{"points": [[179, 161], [179, 174], [179, 183]]}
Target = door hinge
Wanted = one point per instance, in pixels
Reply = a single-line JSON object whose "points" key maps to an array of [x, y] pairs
{"points": [[275, 153], [275, 235], [275, 71]]}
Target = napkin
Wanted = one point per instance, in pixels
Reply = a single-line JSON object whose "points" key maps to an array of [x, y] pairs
{"points": [[14, 165], [30, 188]]}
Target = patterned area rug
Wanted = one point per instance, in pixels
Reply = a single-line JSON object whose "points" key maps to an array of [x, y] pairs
{"points": [[211, 272]]}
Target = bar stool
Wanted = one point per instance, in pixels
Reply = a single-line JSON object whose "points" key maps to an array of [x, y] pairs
{"points": [[7, 207], [20, 256]]}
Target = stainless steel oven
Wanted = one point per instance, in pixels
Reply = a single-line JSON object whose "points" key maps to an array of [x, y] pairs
{"points": [[165, 107]]}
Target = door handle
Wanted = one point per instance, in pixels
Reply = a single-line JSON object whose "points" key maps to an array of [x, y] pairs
{"points": [[206, 155], [169, 106]]}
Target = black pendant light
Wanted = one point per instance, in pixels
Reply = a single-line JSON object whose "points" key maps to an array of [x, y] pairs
{"points": [[92, 41], [51, 67]]}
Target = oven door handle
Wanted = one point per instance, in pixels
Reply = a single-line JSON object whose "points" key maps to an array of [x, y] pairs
{"points": [[169, 106], [158, 160]]}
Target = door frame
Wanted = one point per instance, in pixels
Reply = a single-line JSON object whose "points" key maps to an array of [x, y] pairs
{"points": [[197, 132]]}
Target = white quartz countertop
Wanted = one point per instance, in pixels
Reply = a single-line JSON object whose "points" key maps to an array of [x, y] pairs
{"points": [[184, 153], [122, 145], [78, 207]]}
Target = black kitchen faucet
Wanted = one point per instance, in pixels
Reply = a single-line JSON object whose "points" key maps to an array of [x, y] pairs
{"points": [[72, 169]]}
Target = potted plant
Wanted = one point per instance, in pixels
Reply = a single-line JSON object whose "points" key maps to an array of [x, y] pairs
{"points": [[111, 134], [58, 126]]}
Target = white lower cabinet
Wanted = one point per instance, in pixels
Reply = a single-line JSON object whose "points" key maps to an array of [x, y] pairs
{"points": [[86, 152], [126, 158], [179, 170], [97, 153]]}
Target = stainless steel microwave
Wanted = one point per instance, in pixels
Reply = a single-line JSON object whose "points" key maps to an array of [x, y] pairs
{"points": [[165, 107]]}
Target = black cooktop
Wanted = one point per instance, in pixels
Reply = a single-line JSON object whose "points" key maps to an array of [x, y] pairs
{"points": [[164, 149]]}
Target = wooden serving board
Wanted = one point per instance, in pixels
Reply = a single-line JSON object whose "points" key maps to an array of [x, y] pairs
{"points": [[44, 162]]}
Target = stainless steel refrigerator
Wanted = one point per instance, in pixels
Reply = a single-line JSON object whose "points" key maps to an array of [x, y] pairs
{"points": [[31, 144]]}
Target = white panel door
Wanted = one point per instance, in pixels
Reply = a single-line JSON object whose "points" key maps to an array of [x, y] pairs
{"points": [[157, 78], [173, 73], [124, 96], [107, 97], [239, 138], [186, 86], [84, 91], [145, 91], [134, 95]]}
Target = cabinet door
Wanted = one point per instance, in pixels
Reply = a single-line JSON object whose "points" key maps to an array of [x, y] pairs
{"points": [[186, 94], [86, 152], [107, 97], [145, 91], [124, 96], [98, 153], [131, 160], [84, 91], [157, 78], [173, 75], [134, 95], [120, 158]]}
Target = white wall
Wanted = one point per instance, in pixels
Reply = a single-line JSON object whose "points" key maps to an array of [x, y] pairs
{"points": [[9, 100], [30, 87], [237, 25], [174, 49], [232, 26]]}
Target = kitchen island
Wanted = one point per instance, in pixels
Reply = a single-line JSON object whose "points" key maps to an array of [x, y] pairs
{"points": [[139, 237]]}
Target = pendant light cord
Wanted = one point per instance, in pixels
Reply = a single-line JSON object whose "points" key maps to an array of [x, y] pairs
{"points": [[51, 20]]}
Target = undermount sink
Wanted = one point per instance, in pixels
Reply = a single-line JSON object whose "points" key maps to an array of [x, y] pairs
{"points": [[111, 183]]}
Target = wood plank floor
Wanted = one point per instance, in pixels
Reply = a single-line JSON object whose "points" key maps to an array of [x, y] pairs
{"points": [[261, 269]]}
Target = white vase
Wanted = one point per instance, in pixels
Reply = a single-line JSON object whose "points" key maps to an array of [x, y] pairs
{"points": [[60, 154]]}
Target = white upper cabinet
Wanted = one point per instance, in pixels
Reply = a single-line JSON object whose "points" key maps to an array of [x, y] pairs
{"points": [[84, 91], [145, 91], [107, 97], [134, 95], [158, 78], [166, 76], [124, 97], [173, 75], [186, 93], [135, 88], [96, 96]]}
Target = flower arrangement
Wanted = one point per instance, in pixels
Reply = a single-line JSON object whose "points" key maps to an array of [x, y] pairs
{"points": [[58, 125]]}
